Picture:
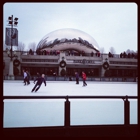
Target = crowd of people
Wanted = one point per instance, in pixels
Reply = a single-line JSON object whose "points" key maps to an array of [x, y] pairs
{"points": [[82, 53], [68, 53], [124, 55], [97, 54], [129, 55], [45, 52]]}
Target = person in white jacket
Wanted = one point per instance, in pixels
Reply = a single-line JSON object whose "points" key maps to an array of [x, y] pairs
{"points": [[25, 77]]}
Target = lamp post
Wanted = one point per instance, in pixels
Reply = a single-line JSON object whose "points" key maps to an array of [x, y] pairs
{"points": [[10, 53]]}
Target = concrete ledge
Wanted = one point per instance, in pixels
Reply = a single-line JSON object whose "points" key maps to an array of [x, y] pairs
{"points": [[74, 131]]}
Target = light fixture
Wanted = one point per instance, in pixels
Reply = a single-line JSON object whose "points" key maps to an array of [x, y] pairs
{"points": [[10, 22], [9, 18], [15, 22], [16, 18]]}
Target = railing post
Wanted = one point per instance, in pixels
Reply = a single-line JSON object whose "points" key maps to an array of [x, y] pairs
{"points": [[67, 112], [3, 111], [126, 111]]}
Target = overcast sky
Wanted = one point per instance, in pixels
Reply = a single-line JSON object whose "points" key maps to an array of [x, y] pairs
{"points": [[110, 24]]}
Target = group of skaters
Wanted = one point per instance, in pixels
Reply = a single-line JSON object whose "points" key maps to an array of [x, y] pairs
{"points": [[38, 80], [41, 79], [84, 77]]}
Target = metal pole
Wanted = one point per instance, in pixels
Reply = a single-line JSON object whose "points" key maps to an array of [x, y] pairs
{"points": [[3, 111], [67, 112], [11, 38], [126, 111]]}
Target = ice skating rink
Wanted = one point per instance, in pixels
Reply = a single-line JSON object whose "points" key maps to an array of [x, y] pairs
{"points": [[50, 112]]}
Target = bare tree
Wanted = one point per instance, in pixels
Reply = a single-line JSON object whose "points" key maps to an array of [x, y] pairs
{"points": [[112, 50], [128, 51], [102, 50], [21, 47], [32, 46]]}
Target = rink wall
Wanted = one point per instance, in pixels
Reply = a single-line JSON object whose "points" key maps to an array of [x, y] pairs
{"points": [[65, 78], [69, 130]]}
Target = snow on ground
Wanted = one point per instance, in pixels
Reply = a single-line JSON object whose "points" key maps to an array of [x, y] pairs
{"points": [[50, 112]]}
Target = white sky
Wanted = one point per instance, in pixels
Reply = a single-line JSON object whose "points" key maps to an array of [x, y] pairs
{"points": [[110, 24]]}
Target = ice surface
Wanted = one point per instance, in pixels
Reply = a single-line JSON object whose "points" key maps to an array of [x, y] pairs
{"points": [[50, 112]]}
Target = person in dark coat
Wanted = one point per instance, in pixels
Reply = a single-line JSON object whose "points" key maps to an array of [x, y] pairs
{"points": [[37, 76], [39, 82], [28, 77], [77, 77]]}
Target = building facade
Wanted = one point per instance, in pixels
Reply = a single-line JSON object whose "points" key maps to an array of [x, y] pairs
{"points": [[65, 51]]}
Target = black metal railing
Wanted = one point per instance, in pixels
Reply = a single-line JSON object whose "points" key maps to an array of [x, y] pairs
{"points": [[89, 78], [67, 104]]}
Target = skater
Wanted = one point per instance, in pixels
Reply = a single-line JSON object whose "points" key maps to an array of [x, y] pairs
{"points": [[39, 82], [25, 77], [84, 79], [77, 77], [28, 77], [37, 76]]}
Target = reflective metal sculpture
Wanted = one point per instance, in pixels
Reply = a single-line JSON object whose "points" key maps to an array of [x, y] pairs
{"points": [[67, 36]]}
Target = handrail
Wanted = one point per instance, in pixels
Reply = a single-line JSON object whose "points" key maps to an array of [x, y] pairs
{"points": [[69, 97], [67, 103]]}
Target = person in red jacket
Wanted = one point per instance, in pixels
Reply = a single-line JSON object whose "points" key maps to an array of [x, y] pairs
{"points": [[84, 79]]}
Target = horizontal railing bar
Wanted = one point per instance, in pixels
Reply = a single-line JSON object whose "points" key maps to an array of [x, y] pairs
{"points": [[69, 97]]}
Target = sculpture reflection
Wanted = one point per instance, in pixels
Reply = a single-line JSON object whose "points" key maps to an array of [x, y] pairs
{"points": [[66, 38]]}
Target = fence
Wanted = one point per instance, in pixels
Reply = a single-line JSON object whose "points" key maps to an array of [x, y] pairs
{"points": [[67, 104], [66, 78]]}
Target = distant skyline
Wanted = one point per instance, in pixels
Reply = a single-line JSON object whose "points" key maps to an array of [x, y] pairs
{"points": [[110, 24]]}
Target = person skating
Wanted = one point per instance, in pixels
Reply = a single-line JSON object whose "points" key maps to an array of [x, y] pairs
{"points": [[77, 77], [39, 82], [84, 79], [25, 78], [37, 76], [28, 77]]}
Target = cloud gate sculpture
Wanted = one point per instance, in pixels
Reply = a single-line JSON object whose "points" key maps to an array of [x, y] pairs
{"points": [[68, 39]]}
